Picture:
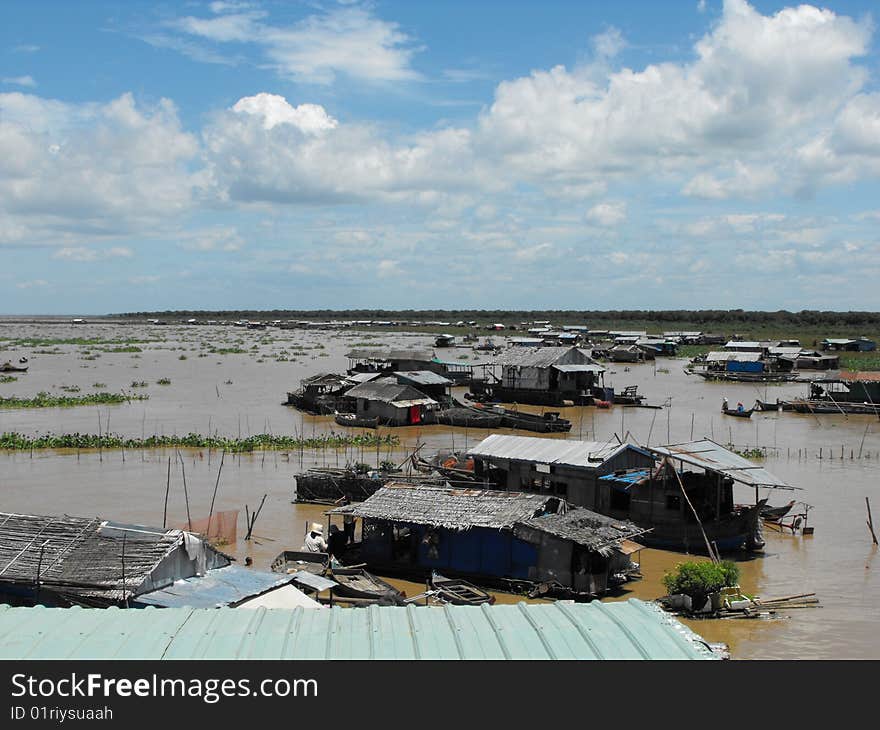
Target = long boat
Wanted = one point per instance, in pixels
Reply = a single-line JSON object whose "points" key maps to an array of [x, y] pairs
{"points": [[737, 413], [549, 422], [357, 583], [352, 420], [746, 377], [469, 417], [8, 367]]}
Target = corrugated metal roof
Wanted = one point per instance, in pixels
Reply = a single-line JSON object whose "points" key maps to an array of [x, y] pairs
{"points": [[736, 344], [537, 357], [582, 368], [617, 630], [421, 377], [733, 356], [387, 391], [706, 454], [219, 587], [548, 451]]}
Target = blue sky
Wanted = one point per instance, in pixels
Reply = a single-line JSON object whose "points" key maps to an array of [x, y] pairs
{"points": [[589, 155]]}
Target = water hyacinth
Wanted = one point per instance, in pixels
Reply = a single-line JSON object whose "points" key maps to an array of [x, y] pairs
{"points": [[47, 400], [13, 441]]}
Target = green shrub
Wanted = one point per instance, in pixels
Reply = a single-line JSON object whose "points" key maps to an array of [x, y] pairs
{"points": [[698, 579]]}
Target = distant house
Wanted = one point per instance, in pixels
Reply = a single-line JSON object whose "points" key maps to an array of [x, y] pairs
{"points": [[542, 376], [82, 561], [493, 537], [425, 381], [392, 403], [735, 362], [861, 344], [748, 346]]}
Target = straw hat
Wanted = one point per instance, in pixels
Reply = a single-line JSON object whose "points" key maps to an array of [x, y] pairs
{"points": [[317, 527]]}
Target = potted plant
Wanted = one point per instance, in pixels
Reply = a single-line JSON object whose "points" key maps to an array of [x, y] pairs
{"points": [[701, 580]]}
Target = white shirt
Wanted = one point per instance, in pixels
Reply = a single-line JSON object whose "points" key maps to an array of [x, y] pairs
{"points": [[315, 544]]}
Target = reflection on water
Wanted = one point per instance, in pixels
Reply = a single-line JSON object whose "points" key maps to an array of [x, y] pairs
{"points": [[234, 394]]}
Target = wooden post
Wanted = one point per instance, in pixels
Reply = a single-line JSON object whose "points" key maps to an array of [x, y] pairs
{"points": [[167, 489], [870, 521]]}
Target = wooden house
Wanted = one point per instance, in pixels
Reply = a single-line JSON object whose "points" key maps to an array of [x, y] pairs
{"points": [[510, 539], [392, 403], [650, 487], [541, 376]]}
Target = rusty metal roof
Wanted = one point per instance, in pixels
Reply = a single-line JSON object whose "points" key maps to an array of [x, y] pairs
{"points": [[708, 455]]}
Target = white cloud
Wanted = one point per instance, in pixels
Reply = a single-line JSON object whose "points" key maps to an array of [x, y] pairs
{"points": [[219, 238], [274, 110], [388, 268], [81, 253], [33, 283], [607, 214], [758, 88], [348, 40], [70, 172], [19, 80]]}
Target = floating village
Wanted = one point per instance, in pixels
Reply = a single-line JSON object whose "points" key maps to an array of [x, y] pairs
{"points": [[509, 492]]}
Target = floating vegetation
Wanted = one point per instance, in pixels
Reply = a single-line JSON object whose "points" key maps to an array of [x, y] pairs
{"points": [[14, 441], [227, 351], [99, 385], [7, 378], [69, 388], [182, 357], [47, 400], [126, 348], [138, 384], [48, 341], [163, 381]]}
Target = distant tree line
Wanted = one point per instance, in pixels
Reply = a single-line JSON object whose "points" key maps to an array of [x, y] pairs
{"points": [[702, 317]]}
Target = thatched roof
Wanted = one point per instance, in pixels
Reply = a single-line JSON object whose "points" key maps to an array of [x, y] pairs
{"points": [[584, 527], [456, 509]]}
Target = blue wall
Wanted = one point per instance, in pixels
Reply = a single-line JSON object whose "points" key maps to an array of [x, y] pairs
{"points": [[479, 551]]}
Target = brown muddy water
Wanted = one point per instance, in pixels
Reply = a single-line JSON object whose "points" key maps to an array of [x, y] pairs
{"points": [[242, 393]]}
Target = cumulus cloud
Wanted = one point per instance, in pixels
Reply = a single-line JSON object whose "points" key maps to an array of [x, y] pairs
{"points": [[276, 110], [758, 87], [69, 171]]}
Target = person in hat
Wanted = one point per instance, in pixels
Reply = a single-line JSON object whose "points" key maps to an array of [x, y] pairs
{"points": [[315, 542]]}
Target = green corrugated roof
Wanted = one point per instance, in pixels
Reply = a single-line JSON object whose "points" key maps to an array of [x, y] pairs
{"points": [[563, 630]]}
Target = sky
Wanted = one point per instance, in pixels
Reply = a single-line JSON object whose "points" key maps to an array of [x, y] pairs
{"points": [[686, 154]]}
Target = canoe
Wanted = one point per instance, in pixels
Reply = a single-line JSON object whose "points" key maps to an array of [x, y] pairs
{"points": [[359, 584], [774, 514], [738, 414], [459, 592], [293, 561], [352, 420]]}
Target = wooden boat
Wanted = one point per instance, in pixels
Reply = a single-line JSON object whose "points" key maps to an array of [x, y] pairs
{"points": [[629, 397], [738, 414], [458, 591], [353, 420], [469, 417], [357, 583], [746, 377], [8, 367], [547, 423], [293, 561], [774, 514], [779, 405]]}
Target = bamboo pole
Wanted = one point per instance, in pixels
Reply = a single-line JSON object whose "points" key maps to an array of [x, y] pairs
{"points": [[870, 521]]}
